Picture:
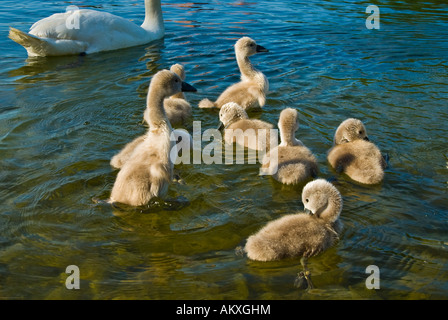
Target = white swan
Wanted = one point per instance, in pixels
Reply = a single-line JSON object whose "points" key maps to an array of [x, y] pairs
{"points": [[89, 31]]}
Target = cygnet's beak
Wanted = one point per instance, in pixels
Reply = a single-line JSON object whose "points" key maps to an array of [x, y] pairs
{"points": [[221, 126], [188, 87], [261, 49], [366, 138]]}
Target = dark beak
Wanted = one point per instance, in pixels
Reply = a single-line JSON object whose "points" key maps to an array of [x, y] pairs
{"points": [[261, 49], [221, 126], [308, 211], [188, 87], [366, 138]]}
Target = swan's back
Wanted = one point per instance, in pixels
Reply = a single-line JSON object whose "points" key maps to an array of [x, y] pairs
{"points": [[102, 30]]}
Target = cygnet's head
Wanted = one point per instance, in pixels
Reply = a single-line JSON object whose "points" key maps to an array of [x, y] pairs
{"points": [[289, 120], [168, 83], [350, 130], [179, 70], [317, 195], [248, 47], [231, 112]]}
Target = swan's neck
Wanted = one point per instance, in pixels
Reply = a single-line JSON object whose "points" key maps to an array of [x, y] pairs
{"points": [[156, 116], [153, 16]]}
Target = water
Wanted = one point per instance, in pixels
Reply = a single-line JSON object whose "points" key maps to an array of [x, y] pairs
{"points": [[62, 119]]}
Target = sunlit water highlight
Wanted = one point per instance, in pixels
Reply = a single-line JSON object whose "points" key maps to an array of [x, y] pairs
{"points": [[62, 119]]}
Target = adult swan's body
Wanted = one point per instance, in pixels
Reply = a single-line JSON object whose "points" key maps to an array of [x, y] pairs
{"points": [[89, 31]]}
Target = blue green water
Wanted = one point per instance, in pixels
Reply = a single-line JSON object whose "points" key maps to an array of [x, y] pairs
{"points": [[62, 119]]}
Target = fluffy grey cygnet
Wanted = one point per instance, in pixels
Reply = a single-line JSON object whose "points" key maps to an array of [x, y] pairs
{"points": [[251, 91], [148, 171], [294, 162], [250, 133], [353, 154], [177, 108], [301, 235]]}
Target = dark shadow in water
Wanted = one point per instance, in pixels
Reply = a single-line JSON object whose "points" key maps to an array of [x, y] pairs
{"points": [[155, 205], [35, 67]]}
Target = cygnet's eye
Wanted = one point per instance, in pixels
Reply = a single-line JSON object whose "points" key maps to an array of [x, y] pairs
{"points": [[361, 132], [307, 200]]}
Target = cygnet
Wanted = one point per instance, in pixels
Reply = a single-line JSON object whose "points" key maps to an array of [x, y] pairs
{"points": [[250, 133], [354, 155], [149, 171], [291, 162], [301, 235], [177, 108], [251, 91]]}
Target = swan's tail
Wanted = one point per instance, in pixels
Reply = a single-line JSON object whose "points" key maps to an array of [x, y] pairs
{"points": [[46, 47], [32, 44], [206, 103]]}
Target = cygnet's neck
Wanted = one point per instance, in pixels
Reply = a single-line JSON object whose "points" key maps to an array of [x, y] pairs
{"points": [[153, 16], [236, 118], [339, 136], [287, 137], [248, 72], [156, 116], [331, 212], [179, 95]]}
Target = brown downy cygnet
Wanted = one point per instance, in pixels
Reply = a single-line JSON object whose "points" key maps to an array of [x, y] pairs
{"points": [[291, 162], [354, 155], [119, 159], [177, 108], [301, 235], [240, 129], [251, 91], [149, 171]]}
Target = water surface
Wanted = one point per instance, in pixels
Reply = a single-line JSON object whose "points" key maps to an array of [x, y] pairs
{"points": [[63, 118]]}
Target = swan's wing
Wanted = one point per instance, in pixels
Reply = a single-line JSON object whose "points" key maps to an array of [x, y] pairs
{"points": [[98, 28]]}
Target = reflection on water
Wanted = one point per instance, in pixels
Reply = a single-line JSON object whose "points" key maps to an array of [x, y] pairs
{"points": [[63, 118]]}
